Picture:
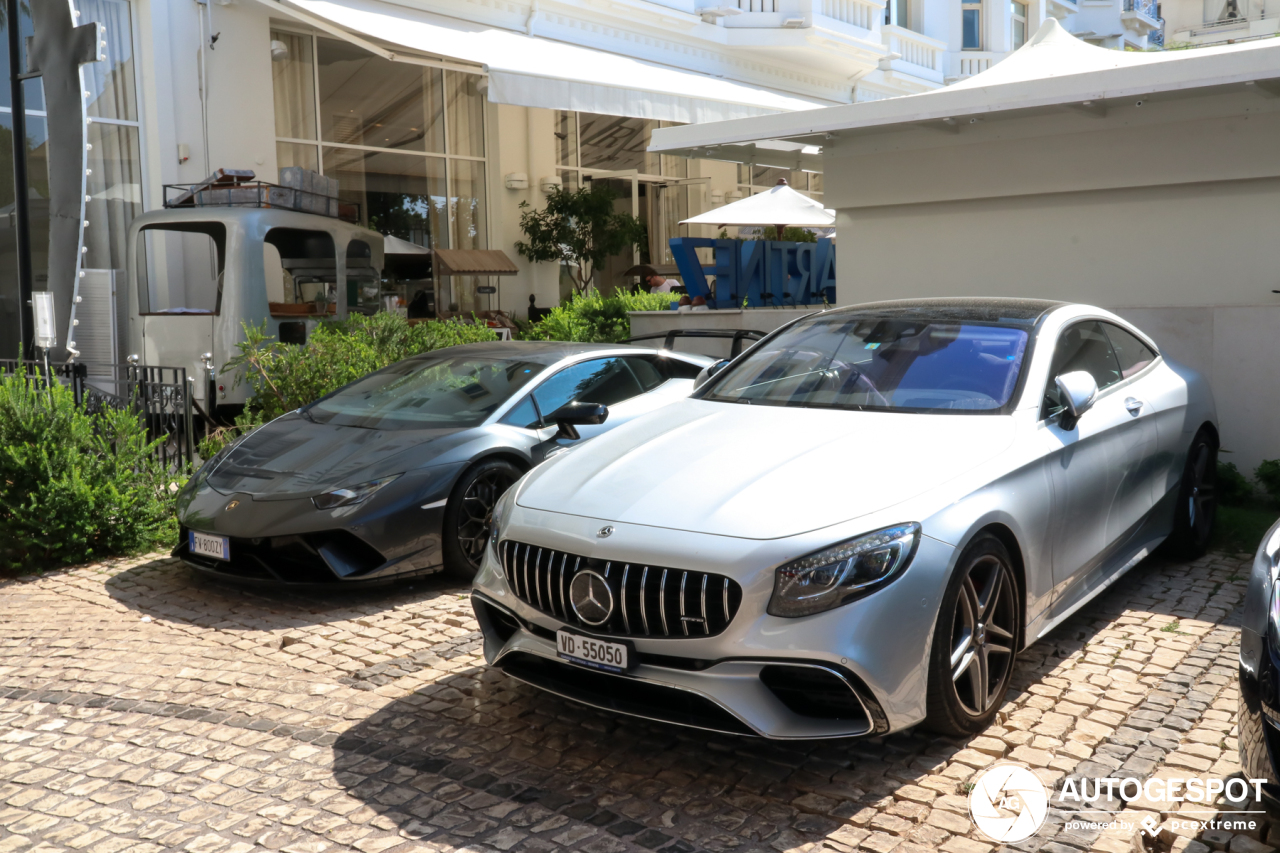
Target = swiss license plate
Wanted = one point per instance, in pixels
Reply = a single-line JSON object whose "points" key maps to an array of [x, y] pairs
{"points": [[205, 545], [597, 654]]}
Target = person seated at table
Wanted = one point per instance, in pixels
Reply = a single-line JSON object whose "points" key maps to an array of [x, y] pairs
{"points": [[650, 278]]}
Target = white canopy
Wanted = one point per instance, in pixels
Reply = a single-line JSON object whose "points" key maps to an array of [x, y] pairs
{"points": [[535, 72], [778, 205], [396, 246], [1052, 70]]}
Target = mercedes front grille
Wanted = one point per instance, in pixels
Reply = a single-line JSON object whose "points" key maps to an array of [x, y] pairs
{"points": [[648, 601]]}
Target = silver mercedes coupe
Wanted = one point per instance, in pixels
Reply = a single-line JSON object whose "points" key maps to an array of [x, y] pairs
{"points": [[854, 526]]}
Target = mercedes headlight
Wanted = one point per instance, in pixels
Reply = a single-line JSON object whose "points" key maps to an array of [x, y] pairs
{"points": [[500, 510], [352, 495], [843, 572]]}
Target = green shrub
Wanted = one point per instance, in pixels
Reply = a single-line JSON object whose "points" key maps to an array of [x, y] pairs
{"points": [[76, 486], [599, 319], [1268, 474], [284, 377], [1234, 488]]}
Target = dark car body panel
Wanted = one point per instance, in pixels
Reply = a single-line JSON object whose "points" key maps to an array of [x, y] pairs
{"points": [[1259, 677], [260, 493]]}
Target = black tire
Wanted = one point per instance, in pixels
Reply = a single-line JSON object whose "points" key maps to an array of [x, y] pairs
{"points": [[976, 640], [1197, 507], [467, 515]]}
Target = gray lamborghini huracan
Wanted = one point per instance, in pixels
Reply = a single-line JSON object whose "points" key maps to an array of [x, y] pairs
{"points": [[396, 474]]}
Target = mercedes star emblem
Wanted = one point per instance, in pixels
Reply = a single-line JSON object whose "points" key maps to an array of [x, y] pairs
{"points": [[605, 532], [591, 598]]}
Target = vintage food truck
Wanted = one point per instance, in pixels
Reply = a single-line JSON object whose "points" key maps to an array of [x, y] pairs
{"points": [[209, 264]]}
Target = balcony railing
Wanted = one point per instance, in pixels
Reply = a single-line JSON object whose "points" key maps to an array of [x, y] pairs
{"points": [[1142, 7], [924, 54], [973, 62], [858, 13], [1225, 23]]}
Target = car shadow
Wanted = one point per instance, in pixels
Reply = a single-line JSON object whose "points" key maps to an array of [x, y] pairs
{"points": [[477, 757], [168, 590]]}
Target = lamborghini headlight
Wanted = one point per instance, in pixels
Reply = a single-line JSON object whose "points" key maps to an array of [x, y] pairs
{"points": [[353, 494], [839, 574]]}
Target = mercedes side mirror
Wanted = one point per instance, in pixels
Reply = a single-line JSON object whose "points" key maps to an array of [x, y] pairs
{"points": [[709, 371], [1078, 390], [578, 414]]}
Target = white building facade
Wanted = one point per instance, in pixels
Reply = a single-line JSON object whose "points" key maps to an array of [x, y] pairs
{"points": [[1199, 23], [439, 118]]}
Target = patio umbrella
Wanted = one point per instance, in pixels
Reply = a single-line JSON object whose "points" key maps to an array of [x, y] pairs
{"points": [[781, 204]]}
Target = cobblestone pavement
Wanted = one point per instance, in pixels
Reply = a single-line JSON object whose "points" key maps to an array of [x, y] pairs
{"points": [[144, 709]]}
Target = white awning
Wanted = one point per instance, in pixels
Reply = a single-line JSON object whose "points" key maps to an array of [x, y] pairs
{"points": [[528, 71]]}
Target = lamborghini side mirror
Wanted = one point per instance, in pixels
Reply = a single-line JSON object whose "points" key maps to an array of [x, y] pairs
{"points": [[578, 414], [709, 371]]}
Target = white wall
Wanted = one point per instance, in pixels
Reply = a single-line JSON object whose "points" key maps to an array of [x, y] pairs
{"points": [[241, 127], [1148, 231], [523, 141]]}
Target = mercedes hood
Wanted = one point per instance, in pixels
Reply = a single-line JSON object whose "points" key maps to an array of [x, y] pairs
{"points": [[761, 472]]}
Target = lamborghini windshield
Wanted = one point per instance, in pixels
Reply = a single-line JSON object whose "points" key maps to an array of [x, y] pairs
{"points": [[426, 393], [866, 362]]}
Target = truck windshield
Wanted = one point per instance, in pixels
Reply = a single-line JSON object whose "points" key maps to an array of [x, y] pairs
{"points": [[426, 393], [867, 362]]}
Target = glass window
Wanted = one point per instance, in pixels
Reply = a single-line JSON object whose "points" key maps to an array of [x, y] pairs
{"points": [[1132, 354], [110, 83], [38, 204], [298, 154], [523, 415], [426, 392], [468, 203], [616, 143], [1018, 12], [647, 372], [1085, 347], [763, 177], [895, 12], [971, 26], [606, 381], [115, 192], [466, 115], [293, 86], [399, 194], [566, 138], [368, 100], [869, 362], [183, 268], [32, 90]]}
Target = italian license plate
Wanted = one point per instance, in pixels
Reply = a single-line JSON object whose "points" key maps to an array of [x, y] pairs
{"points": [[205, 545], [597, 654]]}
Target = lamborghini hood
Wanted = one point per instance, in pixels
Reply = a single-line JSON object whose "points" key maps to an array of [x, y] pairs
{"points": [[292, 457]]}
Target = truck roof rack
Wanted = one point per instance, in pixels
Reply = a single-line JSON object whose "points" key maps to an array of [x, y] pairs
{"points": [[301, 190]]}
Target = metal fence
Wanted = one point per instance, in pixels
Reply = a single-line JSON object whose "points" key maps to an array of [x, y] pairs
{"points": [[1145, 7], [162, 397]]}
